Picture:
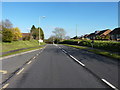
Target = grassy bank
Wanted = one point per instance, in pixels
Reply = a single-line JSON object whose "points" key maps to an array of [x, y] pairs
{"points": [[19, 44], [96, 51]]}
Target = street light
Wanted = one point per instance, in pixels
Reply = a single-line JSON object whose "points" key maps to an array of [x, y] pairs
{"points": [[39, 29]]}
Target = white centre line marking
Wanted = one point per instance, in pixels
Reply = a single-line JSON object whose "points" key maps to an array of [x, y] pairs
{"points": [[37, 54], [20, 71], [77, 60], [109, 84], [33, 57], [5, 86], [29, 62]]}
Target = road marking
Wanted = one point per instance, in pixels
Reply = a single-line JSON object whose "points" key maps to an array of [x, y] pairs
{"points": [[20, 71], [5, 86], [29, 62], [109, 84], [77, 60], [33, 57], [64, 51], [18, 54], [3, 71], [37, 54], [55, 44]]}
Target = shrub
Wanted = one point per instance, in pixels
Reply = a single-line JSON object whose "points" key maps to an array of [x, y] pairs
{"points": [[105, 45], [7, 35], [26, 38]]}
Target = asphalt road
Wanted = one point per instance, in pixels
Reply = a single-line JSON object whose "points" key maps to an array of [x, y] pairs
{"points": [[102, 66], [11, 64], [52, 68]]}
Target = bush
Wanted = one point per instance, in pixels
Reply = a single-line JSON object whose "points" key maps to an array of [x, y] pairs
{"points": [[7, 35], [105, 45], [26, 38]]}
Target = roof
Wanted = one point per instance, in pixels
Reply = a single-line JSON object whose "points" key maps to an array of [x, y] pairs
{"points": [[104, 32], [25, 34], [116, 31], [91, 35]]}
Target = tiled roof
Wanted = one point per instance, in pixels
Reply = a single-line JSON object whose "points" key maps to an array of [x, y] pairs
{"points": [[116, 31], [25, 34]]}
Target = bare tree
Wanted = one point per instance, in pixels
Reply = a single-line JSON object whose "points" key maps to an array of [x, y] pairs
{"points": [[67, 37], [7, 24], [59, 33]]}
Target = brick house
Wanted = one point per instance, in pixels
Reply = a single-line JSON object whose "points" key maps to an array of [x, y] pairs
{"points": [[115, 34], [26, 35], [104, 34], [91, 36], [99, 34]]}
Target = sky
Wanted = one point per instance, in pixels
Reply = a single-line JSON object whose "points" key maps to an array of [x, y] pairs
{"points": [[89, 16], [60, 0]]}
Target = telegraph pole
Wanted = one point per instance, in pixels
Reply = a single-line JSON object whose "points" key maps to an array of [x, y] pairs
{"points": [[76, 29]]}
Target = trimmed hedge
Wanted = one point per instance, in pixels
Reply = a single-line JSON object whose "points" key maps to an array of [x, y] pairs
{"points": [[105, 45]]}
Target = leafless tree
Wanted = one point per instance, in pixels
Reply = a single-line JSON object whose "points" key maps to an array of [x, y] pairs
{"points": [[7, 24], [59, 32]]}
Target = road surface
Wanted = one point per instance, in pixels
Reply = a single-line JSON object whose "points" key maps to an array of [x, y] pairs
{"points": [[54, 68]]}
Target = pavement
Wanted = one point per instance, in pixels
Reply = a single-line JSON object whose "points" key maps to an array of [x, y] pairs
{"points": [[58, 66]]}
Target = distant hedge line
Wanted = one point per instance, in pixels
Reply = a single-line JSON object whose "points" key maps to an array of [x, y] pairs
{"points": [[105, 45]]}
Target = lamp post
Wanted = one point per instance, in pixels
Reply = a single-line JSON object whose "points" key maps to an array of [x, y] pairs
{"points": [[39, 29]]}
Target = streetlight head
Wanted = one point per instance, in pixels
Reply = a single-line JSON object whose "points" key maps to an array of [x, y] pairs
{"points": [[43, 16]]}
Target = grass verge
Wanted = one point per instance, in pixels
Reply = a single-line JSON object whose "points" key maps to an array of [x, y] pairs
{"points": [[18, 45], [96, 51], [21, 51]]}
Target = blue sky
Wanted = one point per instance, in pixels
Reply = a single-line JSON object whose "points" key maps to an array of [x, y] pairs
{"points": [[90, 16]]}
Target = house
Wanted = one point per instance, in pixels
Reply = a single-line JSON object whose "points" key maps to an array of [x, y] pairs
{"points": [[115, 34], [85, 37], [25, 34], [91, 36], [104, 34]]}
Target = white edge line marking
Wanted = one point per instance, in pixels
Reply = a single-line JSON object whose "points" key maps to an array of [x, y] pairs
{"points": [[29, 62], [5, 86], [77, 60], [109, 84], [18, 54], [64, 51], [20, 71]]}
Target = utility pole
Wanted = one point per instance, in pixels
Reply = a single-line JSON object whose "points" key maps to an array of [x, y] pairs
{"points": [[76, 30]]}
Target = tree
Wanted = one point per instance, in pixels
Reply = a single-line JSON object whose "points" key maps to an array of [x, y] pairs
{"points": [[67, 37], [7, 35], [59, 33], [17, 34], [52, 39], [7, 24], [35, 32], [41, 33]]}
